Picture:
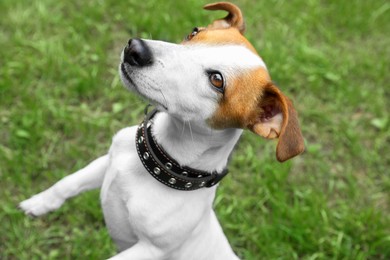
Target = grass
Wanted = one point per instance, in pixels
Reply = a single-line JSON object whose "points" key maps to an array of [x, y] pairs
{"points": [[61, 101]]}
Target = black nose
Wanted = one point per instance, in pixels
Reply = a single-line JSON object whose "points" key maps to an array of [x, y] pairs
{"points": [[137, 53]]}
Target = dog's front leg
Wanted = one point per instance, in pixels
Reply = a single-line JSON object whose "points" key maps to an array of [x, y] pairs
{"points": [[140, 251], [90, 177]]}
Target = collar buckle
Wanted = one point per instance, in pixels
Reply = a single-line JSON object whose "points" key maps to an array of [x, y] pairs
{"points": [[218, 177]]}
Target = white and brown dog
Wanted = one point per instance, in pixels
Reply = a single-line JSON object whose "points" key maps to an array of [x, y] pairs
{"points": [[158, 179]]}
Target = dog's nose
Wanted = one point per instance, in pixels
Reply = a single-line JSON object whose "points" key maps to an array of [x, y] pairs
{"points": [[137, 53]]}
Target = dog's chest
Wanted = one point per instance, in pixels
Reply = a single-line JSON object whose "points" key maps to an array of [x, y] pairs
{"points": [[124, 193], [135, 203], [126, 177]]}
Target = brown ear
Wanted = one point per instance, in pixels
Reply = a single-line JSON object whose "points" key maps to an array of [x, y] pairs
{"points": [[233, 19], [277, 118]]}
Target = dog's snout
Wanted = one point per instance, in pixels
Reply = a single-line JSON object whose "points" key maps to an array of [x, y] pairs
{"points": [[137, 53]]}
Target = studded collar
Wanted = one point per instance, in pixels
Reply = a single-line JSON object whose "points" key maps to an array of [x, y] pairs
{"points": [[164, 168]]}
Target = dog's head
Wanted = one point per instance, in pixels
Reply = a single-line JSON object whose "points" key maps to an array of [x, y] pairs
{"points": [[214, 77]]}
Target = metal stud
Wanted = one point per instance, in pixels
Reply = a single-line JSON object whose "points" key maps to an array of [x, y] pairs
{"points": [[188, 185], [172, 181], [200, 176], [156, 170], [141, 125], [202, 184], [168, 165], [146, 156], [140, 139], [184, 173]]}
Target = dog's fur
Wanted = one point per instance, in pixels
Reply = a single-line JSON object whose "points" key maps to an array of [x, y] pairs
{"points": [[199, 125]]}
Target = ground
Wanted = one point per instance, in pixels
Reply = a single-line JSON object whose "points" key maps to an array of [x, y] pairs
{"points": [[61, 101]]}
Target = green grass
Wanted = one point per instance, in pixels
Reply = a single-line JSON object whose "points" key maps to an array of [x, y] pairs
{"points": [[61, 101]]}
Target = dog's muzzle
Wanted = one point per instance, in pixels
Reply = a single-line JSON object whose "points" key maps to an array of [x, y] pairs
{"points": [[137, 53]]}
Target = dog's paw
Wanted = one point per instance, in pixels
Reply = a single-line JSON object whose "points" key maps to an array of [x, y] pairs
{"points": [[41, 203]]}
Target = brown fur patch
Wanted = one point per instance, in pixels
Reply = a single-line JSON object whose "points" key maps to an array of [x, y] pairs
{"points": [[244, 105], [239, 106], [245, 99], [221, 36]]}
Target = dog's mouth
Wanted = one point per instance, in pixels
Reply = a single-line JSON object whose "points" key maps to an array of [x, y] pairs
{"points": [[127, 76], [134, 87]]}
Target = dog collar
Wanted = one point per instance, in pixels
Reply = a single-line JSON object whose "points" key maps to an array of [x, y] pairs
{"points": [[164, 168]]}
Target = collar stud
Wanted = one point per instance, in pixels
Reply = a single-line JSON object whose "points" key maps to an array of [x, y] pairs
{"points": [[168, 165], [172, 181], [156, 170]]}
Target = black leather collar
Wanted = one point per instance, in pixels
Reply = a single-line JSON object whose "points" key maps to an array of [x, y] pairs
{"points": [[164, 168]]}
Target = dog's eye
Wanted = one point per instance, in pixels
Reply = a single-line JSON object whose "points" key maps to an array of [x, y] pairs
{"points": [[217, 81], [192, 34]]}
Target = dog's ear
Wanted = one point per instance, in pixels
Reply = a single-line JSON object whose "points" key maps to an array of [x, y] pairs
{"points": [[233, 19], [276, 118]]}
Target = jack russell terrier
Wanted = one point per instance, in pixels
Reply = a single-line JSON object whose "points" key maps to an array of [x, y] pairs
{"points": [[158, 180]]}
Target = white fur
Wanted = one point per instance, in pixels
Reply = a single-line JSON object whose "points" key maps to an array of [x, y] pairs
{"points": [[146, 219], [178, 76]]}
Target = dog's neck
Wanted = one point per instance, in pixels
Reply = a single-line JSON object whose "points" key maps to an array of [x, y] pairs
{"points": [[193, 144]]}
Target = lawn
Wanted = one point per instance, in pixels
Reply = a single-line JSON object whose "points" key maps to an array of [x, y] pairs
{"points": [[61, 101]]}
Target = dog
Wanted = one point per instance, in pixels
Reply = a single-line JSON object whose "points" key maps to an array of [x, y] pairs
{"points": [[158, 180]]}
